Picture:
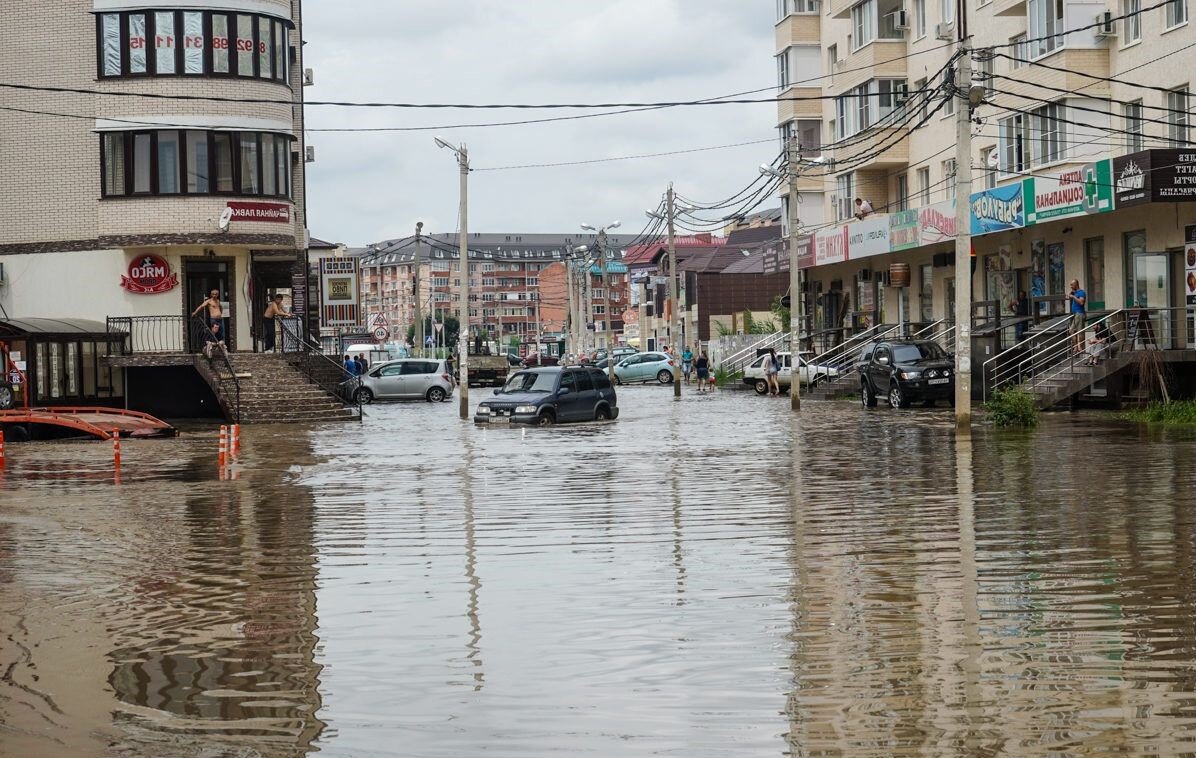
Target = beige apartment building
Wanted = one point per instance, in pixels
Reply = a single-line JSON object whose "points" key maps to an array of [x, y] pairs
{"points": [[173, 167], [1080, 155]]}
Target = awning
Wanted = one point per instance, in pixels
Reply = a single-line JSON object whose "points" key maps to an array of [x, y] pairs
{"points": [[27, 327]]}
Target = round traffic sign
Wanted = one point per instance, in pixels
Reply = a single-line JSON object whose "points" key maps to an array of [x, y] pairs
{"points": [[381, 333]]}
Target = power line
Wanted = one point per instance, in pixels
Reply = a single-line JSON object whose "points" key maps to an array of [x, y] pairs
{"points": [[625, 157]]}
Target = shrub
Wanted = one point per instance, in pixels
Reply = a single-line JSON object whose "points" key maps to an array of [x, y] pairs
{"points": [[1176, 413], [722, 376], [1013, 408]]}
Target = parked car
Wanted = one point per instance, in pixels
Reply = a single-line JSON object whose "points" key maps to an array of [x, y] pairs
{"points": [[406, 379], [906, 371], [537, 359], [809, 374], [645, 367], [619, 353], [551, 395], [514, 360]]}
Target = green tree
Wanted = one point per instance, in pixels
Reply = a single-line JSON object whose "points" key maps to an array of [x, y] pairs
{"points": [[780, 311]]}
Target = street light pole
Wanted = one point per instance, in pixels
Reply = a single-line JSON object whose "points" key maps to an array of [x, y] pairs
{"points": [[463, 243], [796, 296], [419, 314], [602, 256], [674, 329]]}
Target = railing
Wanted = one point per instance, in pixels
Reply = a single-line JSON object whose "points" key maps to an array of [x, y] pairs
{"points": [[739, 360], [152, 334], [216, 353], [324, 372], [843, 357]]}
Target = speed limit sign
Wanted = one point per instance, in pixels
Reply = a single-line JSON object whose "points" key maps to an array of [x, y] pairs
{"points": [[381, 333]]}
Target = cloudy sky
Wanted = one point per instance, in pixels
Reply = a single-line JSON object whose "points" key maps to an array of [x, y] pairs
{"points": [[365, 187]]}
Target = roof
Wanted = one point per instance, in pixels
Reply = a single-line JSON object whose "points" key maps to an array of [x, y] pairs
{"points": [[751, 264], [753, 234], [318, 244], [29, 326], [648, 251]]}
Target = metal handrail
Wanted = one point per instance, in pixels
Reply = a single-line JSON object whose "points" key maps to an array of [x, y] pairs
{"points": [[739, 360], [854, 344], [310, 360], [219, 364], [152, 334]]}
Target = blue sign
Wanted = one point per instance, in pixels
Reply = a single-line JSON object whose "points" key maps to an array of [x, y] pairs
{"points": [[998, 209]]}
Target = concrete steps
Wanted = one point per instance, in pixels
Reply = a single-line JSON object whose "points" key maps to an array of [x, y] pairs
{"points": [[275, 392]]}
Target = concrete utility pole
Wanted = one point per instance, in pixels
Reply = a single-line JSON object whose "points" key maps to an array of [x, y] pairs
{"points": [[674, 327], [463, 243], [963, 235], [419, 313], [571, 325], [797, 298]]}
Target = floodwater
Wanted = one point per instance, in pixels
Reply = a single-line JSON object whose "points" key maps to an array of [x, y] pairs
{"points": [[706, 578]]}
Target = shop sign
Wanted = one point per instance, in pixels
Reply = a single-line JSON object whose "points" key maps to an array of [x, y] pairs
{"points": [[868, 237], [338, 292], [937, 222], [1131, 174], [1159, 176], [805, 251], [149, 275], [276, 213], [903, 230], [1076, 192], [998, 209], [1190, 263], [830, 246]]}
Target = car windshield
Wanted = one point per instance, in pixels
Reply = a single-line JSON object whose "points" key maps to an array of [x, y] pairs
{"points": [[917, 352], [528, 381]]}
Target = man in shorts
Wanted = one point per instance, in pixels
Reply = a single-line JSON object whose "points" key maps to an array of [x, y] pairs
{"points": [[1078, 299]]}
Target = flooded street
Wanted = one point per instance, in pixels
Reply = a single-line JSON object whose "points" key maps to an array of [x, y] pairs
{"points": [[706, 578]]}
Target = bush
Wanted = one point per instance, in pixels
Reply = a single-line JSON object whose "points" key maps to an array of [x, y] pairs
{"points": [[1179, 412], [722, 376], [1013, 408]]}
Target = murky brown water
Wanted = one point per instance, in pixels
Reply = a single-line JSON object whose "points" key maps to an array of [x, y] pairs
{"points": [[680, 582]]}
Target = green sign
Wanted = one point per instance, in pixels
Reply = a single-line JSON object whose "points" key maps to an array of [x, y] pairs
{"points": [[1076, 192]]}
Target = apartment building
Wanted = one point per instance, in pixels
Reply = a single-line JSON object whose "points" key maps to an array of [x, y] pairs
{"points": [[120, 201], [1080, 153], [504, 281]]}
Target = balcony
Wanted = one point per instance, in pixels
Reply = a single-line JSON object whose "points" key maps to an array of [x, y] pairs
{"points": [[799, 29], [790, 110], [1036, 82], [879, 59], [1009, 7], [893, 141]]}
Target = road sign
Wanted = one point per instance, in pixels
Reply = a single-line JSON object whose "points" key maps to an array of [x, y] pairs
{"points": [[378, 321], [381, 333]]}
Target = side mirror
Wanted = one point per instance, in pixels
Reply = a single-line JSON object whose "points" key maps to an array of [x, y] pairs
{"points": [[562, 391], [497, 390]]}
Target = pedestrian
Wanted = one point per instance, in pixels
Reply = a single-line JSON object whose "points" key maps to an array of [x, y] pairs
{"points": [[772, 370], [1020, 308], [703, 369], [863, 208], [1099, 343], [1079, 310], [215, 311], [213, 344], [687, 360], [350, 366], [362, 364], [273, 311]]}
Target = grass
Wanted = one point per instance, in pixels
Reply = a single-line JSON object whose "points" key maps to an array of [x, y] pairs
{"points": [[722, 376], [1013, 407], [1175, 413]]}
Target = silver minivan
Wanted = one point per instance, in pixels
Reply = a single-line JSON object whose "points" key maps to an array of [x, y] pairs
{"points": [[406, 379]]}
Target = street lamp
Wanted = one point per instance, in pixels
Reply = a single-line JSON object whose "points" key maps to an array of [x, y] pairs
{"points": [[602, 255], [462, 154]]}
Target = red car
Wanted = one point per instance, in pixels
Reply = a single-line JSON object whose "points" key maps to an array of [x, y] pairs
{"points": [[535, 359]]}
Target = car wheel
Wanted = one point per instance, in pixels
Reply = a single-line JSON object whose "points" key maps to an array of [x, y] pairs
{"points": [[363, 396], [761, 387], [545, 419], [618, 381], [7, 397], [602, 414], [867, 397], [436, 395], [896, 398], [665, 377]]}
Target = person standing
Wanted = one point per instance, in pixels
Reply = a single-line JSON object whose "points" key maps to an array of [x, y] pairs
{"points": [[215, 311], [362, 365], [1079, 311], [350, 366], [772, 370], [687, 360], [273, 311], [702, 365]]}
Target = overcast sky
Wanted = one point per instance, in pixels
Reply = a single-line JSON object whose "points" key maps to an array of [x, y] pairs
{"points": [[366, 187]]}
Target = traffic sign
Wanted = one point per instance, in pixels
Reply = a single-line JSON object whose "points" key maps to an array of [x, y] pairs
{"points": [[378, 321], [381, 333]]}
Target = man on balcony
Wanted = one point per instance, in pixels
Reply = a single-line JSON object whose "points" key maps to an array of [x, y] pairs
{"points": [[863, 208]]}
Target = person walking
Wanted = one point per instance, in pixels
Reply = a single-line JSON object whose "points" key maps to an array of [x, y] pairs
{"points": [[772, 370], [214, 315], [687, 360], [350, 366], [273, 311], [1079, 311], [362, 364], [702, 365]]}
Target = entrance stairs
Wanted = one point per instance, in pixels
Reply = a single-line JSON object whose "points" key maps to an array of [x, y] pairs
{"points": [[273, 391]]}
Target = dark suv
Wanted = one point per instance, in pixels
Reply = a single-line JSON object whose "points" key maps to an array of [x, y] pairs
{"points": [[550, 395], [906, 371]]}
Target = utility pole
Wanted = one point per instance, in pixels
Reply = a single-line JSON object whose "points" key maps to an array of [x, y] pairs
{"points": [[963, 235], [674, 312], [570, 343], [419, 315], [797, 298], [607, 341], [588, 307]]}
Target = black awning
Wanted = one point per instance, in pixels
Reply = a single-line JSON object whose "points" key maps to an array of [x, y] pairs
{"points": [[28, 327]]}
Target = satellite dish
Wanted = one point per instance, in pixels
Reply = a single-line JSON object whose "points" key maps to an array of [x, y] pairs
{"points": [[994, 159], [226, 218]]}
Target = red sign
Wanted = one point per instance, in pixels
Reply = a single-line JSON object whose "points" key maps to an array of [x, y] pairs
{"points": [[149, 275], [279, 213]]}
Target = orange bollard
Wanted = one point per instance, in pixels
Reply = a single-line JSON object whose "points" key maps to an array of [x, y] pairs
{"points": [[235, 442], [116, 447], [1, 447], [222, 448]]}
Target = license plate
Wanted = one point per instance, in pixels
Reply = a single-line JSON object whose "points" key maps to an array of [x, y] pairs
{"points": [[500, 419], [944, 380]]}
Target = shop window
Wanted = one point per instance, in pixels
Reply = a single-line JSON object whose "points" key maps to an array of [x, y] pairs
{"points": [[136, 50], [245, 45], [170, 162]]}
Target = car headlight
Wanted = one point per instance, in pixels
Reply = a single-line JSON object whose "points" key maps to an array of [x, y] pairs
{"points": [[483, 410], [526, 409], [911, 374]]}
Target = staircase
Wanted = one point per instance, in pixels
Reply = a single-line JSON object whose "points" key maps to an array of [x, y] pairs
{"points": [[273, 391], [1068, 380]]}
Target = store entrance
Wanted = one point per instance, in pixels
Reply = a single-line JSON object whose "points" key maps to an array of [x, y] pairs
{"points": [[202, 276]]}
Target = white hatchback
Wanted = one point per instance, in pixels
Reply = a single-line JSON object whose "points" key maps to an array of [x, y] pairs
{"points": [[809, 374], [406, 379]]}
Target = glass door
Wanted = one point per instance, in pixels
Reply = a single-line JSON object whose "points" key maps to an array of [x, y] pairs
{"points": [[200, 278], [1151, 291]]}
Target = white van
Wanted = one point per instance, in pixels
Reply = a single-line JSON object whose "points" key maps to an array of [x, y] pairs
{"points": [[372, 353]]}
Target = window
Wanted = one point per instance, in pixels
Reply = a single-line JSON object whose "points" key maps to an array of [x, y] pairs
{"points": [[1094, 273], [845, 191], [1014, 153], [786, 130], [947, 8], [190, 43], [1177, 13], [1045, 21], [924, 186], [1049, 137], [902, 192], [919, 19], [863, 24], [783, 70], [873, 103], [924, 111], [1018, 51], [809, 136], [1131, 30], [949, 178], [1177, 117], [990, 160], [832, 57], [170, 162], [1133, 126], [782, 9], [984, 74]]}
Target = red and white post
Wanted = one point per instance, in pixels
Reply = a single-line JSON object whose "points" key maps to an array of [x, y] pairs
{"points": [[116, 448], [2, 453]]}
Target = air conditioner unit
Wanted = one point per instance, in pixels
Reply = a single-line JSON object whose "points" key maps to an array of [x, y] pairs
{"points": [[309, 77], [945, 31], [1104, 26], [309, 154], [900, 20]]}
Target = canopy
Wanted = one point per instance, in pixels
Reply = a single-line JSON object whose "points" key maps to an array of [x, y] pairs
{"points": [[28, 327]]}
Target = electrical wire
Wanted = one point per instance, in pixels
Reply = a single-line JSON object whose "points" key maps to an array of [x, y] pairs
{"points": [[625, 157]]}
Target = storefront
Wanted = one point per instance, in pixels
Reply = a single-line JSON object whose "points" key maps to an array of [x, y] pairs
{"points": [[51, 362]]}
